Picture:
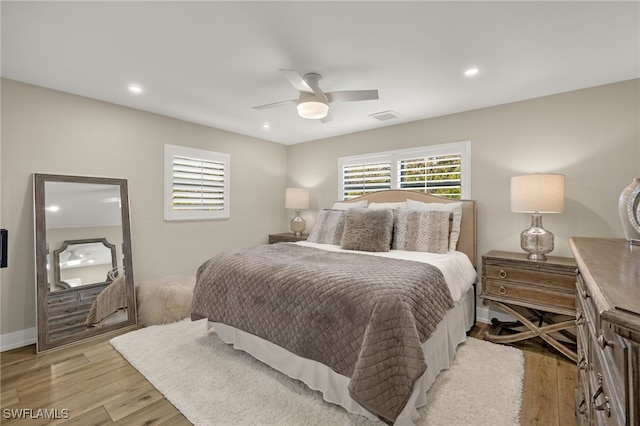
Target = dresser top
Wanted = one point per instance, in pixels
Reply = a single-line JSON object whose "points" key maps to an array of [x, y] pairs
{"points": [[612, 265]]}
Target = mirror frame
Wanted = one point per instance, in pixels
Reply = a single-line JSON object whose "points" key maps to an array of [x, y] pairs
{"points": [[67, 243], [44, 342]]}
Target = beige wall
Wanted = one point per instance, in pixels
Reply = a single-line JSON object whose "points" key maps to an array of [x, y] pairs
{"points": [[45, 131], [592, 136], [589, 135]]}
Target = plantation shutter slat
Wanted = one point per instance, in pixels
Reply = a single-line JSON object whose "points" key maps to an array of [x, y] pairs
{"points": [[364, 178], [442, 170], [439, 175], [197, 184]]}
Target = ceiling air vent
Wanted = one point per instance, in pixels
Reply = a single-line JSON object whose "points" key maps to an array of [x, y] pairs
{"points": [[385, 115]]}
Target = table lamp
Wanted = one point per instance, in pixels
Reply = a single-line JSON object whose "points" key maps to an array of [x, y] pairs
{"points": [[536, 194], [298, 199]]}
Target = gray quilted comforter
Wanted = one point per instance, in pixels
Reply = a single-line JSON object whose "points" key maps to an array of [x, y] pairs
{"points": [[363, 316]]}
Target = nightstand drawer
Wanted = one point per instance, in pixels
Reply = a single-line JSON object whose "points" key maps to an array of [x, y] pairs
{"points": [[529, 295], [538, 276]]}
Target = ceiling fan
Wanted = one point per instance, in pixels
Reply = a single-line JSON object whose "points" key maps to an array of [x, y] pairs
{"points": [[313, 103]]}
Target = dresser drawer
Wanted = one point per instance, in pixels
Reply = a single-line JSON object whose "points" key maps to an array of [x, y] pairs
{"points": [[605, 400], [538, 274], [527, 295], [55, 299], [588, 307], [614, 350]]}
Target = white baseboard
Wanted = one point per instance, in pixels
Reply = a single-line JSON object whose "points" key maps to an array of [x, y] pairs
{"points": [[485, 314], [18, 339]]}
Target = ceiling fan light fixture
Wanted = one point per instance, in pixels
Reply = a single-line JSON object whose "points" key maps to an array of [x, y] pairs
{"points": [[313, 110]]}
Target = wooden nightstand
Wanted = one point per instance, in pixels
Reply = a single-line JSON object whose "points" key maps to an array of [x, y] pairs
{"points": [[286, 237], [541, 295]]}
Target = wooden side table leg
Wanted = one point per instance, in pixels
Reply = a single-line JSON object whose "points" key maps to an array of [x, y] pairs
{"points": [[534, 331]]}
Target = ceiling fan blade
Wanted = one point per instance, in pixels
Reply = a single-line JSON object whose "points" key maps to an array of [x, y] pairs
{"points": [[297, 81], [276, 104], [352, 95]]}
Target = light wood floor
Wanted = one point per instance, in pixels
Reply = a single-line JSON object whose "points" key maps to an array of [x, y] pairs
{"points": [[98, 387]]}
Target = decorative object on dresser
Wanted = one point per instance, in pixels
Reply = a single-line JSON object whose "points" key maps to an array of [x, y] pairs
{"points": [[540, 295], [84, 280], [629, 208], [286, 237], [608, 318], [536, 194], [297, 199]]}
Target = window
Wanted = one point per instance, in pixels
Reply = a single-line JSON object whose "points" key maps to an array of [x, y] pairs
{"points": [[442, 170], [196, 184]]}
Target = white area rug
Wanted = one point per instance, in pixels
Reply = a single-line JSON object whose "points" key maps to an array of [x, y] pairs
{"points": [[213, 384]]}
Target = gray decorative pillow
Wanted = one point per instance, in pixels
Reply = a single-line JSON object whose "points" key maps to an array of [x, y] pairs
{"points": [[328, 227], [422, 231], [367, 230]]}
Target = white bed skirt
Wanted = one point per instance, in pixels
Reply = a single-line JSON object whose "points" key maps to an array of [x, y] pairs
{"points": [[439, 352]]}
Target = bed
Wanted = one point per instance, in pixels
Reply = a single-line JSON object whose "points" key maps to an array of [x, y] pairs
{"points": [[110, 305], [367, 311]]}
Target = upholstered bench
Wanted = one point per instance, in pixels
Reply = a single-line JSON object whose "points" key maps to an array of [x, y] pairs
{"points": [[164, 300]]}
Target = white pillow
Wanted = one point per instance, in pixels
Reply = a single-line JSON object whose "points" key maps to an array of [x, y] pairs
{"points": [[456, 208], [346, 206], [381, 206]]}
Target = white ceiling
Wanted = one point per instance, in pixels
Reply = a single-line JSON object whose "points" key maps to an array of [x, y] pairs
{"points": [[209, 62]]}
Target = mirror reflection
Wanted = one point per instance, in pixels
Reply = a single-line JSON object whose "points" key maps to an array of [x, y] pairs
{"points": [[84, 283], [83, 262]]}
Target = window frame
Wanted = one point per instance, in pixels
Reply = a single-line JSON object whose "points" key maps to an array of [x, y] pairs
{"points": [[171, 214], [463, 148]]}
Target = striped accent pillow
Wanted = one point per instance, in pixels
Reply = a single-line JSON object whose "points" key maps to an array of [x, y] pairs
{"points": [[328, 227], [422, 231]]}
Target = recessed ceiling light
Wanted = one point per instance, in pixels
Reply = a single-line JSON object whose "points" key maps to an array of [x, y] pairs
{"points": [[266, 126], [53, 208], [135, 88], [470, 72]]}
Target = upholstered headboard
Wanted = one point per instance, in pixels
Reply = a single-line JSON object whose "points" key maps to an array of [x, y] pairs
{"points": [[467, 240]]}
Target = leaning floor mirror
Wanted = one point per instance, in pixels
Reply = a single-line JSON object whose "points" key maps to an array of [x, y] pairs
{"points": [[84, 273]]}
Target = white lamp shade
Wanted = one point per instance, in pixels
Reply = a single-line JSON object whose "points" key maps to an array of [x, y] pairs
{"points": [[312, 109], [539, 193], [296, 198]]}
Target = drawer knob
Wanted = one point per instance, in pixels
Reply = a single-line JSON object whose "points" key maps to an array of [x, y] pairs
{"points": [[502, 273], [579, 317], [502, 290], [603, 343]]}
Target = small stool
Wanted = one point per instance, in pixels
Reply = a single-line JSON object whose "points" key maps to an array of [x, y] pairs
{"points": [[164, 300]]}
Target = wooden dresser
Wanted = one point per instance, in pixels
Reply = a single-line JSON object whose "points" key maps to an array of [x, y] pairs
{"points": [[608, 319], [67, 311]]}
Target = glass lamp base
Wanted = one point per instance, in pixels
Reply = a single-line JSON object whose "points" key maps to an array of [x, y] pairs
{"points": [[298, 225], [536, 240]]}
